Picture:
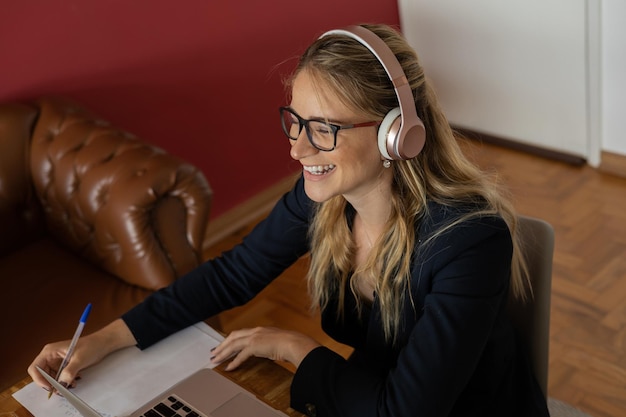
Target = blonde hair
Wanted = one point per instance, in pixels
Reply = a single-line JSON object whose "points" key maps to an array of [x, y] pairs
{"points": [[440, 173]]}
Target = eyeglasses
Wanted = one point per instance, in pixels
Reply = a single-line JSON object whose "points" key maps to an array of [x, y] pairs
{"points": [[322, 135]]}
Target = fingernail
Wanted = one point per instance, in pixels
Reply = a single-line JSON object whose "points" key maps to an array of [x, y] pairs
{"points": [[63, 384], [213, 348], [211, 358]]}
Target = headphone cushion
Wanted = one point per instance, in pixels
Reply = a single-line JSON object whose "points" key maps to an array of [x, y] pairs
{"points": [[384, 141]]}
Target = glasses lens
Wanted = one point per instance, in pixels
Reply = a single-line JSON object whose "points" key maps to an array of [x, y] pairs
{"points": [[291, 125], [322, 135]]}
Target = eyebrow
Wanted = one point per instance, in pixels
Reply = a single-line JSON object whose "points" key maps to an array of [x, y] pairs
{"points": [[331, 121], [322, 119]]}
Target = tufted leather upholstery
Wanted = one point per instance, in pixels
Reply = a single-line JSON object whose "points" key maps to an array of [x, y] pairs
{"points": [[88, 213]]}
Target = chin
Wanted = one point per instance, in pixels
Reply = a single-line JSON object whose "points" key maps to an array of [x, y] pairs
{"points": [[316, 194]]}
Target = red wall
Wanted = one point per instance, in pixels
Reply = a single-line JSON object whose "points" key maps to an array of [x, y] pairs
{"points": [[199, 78]]}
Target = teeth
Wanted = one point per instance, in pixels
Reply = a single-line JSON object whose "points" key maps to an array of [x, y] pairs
{"points": [[319, 169]]}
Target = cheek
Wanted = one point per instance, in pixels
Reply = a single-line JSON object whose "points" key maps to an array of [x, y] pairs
{"points": [[363, 167], [370, 157], [365, 147], [358, 157]]}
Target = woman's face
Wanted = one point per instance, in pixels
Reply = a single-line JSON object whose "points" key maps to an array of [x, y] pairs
{"points": [[354, 168]]}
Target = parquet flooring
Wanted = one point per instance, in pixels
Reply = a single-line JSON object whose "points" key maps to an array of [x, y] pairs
{"points": [[588, 329]]}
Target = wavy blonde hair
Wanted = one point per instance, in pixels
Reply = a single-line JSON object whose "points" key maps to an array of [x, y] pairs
{"points": [[440, 173]]}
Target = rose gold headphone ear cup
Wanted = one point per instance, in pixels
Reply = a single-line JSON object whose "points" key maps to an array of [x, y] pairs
{"points": [[402, 136], [412, 143], [387, 132]]}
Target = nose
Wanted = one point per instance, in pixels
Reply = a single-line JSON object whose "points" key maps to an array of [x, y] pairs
{"points": [[301, 147]]}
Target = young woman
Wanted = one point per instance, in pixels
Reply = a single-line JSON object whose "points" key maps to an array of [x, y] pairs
{"points": [[413, 257]]}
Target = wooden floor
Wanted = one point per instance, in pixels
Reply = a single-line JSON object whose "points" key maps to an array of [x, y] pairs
{"points": [[588, 328]]}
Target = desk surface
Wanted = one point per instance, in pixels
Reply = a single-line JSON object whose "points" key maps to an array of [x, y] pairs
{"points": [[266, 379]]}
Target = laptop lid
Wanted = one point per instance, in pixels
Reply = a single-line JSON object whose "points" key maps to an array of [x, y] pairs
{"points": [[206, 391], [82, 407]]}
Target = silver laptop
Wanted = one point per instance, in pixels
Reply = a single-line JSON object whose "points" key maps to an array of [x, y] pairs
{"points": [[205, 393]]}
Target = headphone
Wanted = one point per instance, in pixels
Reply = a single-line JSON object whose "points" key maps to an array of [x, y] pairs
{"points": [[401, 134]]}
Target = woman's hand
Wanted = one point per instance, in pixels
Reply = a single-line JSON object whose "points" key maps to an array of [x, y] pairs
{"points": [[265, 342], [89, 351]]}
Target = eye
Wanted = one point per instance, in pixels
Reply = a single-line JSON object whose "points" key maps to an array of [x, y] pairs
{"points": [[321, 128]]}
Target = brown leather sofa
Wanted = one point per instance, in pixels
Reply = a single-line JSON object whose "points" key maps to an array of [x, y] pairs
{"points": [[88, 214]]}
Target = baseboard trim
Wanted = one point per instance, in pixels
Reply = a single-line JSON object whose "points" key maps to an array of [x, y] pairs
{"points": [[520, 146], [241, 215], [613, 163]]}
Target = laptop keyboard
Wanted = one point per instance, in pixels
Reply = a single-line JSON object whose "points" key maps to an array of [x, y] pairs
{"points": [[171, 407]]}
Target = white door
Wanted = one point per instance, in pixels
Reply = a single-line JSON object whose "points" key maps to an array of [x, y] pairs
{"points": [[514, 69]]}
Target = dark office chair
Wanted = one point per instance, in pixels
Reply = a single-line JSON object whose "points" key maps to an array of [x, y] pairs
{"points": [[532, 317]]}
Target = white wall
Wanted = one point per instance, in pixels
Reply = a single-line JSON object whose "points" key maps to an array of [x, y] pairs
{"points": [[515, 69], [614, 76]]}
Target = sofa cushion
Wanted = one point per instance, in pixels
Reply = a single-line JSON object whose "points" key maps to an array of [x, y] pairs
{"points": [[45, 288]]}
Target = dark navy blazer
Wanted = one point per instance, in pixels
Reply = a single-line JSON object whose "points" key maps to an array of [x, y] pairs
{"points": [[456, 353]]}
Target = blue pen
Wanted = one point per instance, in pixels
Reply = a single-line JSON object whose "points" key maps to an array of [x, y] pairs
{"points": [[70, 350]]}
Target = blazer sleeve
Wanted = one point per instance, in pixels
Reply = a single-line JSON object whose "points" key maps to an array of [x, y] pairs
{"points": [[467, 271], [231, 279]]}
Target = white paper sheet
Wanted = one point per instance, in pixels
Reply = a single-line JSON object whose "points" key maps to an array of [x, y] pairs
{"points": [[129, 378]]}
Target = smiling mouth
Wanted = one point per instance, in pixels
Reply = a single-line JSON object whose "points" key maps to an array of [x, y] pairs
{"points": [[319, 169]]}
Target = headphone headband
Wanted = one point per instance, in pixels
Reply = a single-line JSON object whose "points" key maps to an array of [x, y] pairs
{"points": [[403, 138]]}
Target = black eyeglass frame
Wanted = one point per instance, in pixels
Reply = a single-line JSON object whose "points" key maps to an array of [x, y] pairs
{"points": [[304, 123]]}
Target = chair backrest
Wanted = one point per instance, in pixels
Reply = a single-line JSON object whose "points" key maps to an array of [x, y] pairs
{"points": [[531, 318]]}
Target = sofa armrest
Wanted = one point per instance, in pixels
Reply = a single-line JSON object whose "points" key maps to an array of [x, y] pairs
{"points": [[138, 212], [21, 218]]}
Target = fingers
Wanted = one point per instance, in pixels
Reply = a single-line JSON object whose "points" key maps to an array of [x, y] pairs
{"points": [[238, 359], [49, 360], [234, 346], [89, 350], [69, 375], [37, 378], [265, 342]]}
